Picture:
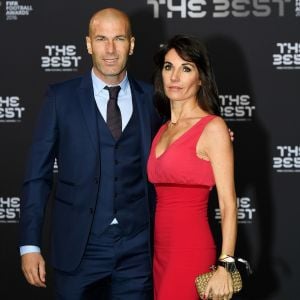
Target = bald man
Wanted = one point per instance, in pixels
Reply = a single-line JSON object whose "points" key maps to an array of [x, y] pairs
{"points": [[103, 204]]}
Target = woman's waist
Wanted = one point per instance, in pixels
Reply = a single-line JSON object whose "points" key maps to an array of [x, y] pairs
{"points": [[169, 190], [177, 196], [182, 233], [181, 208]]}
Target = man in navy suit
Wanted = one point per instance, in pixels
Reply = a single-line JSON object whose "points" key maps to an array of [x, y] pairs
{"points": [[103, 204]]}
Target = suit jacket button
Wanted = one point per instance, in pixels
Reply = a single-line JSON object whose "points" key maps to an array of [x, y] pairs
{"points": [[91, 210], [96, 179]]}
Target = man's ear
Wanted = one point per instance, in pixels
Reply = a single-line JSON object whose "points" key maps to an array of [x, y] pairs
{"points": [[88, 44], [132, 44]]}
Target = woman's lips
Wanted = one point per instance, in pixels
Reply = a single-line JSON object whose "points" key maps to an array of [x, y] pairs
{"points": [[174, 87]]}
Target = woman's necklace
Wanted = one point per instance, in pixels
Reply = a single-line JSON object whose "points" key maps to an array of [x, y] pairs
{"points": [[174, 123]]}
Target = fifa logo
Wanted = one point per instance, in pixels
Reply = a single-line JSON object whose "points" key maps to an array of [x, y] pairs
{"points": [[14, 10]]}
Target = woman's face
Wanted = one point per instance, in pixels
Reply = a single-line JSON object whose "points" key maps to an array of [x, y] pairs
{"points": [[181, 78]]}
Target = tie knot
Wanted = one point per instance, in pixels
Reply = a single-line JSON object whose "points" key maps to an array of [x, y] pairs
{"points": [[113, 91]]}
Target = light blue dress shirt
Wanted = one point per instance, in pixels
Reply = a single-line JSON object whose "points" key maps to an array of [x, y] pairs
{"points": [[101, 97], [124, 98]]}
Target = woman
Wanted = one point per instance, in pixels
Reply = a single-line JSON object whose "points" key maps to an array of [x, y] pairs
{"points": [[190, 154]]}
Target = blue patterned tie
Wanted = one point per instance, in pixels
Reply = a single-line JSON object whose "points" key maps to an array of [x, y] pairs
{"points": [[113, 117]]}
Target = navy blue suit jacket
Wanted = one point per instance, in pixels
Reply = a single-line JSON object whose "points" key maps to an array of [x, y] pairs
{"points": [[67, 130]]}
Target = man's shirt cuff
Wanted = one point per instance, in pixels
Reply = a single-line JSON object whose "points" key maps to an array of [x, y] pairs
{"points": [[29, 249]]}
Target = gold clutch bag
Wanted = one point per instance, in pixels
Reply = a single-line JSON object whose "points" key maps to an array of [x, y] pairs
{"points": [[202, 281]]}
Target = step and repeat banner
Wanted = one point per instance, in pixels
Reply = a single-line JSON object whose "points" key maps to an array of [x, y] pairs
{"points": [[255, 50]]}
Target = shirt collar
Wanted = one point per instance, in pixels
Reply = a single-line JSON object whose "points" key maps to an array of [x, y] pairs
{"points": [[99, 84]]}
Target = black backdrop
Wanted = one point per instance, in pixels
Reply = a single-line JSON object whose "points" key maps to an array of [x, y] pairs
{"points": [[255, 49]]}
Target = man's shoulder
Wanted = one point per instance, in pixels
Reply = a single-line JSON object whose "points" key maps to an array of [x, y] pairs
{"points": [[72, 83], [140, 84]]}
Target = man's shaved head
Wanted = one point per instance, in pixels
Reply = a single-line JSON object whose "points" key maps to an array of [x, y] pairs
{"points": [[110, 42], [110, 14]]}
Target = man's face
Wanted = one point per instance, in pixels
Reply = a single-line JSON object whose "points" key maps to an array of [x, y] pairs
{"points": [[109, 42]]}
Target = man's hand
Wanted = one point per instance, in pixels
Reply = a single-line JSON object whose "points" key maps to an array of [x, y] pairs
{"points": [[33, 267]]}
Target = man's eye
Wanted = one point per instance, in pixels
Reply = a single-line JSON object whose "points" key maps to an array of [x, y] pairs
{"points": [[99, 38], [120, 38]]}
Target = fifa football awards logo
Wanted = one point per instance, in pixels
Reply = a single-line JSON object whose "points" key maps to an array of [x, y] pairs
{"points": [[15, 10]]}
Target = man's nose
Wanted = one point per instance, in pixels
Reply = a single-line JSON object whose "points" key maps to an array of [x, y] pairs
{"points": [[110, 46]]}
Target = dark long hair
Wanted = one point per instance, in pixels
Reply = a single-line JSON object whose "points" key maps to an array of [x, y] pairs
{"points": [[193, 50]]}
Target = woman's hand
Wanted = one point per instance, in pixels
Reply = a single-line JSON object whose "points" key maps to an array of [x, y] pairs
{"points": [[220, 286], [231, 134]]}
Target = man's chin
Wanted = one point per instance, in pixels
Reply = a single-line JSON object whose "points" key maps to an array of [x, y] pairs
{"points": [[113, 73], [109, 73]]}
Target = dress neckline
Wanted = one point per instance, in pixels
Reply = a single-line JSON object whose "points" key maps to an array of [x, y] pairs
{"points": [[176, 140]]}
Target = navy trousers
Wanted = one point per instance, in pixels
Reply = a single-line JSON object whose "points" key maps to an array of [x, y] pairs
{"points": [[114, 267]]}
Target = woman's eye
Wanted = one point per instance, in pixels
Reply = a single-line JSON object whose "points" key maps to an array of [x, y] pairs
{"points": [[186, 69], [167, 67]]}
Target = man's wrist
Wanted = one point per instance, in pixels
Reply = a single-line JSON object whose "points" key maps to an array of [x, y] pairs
{"points": [[29, 249]]}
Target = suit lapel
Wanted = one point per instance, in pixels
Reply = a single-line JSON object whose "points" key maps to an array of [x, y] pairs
{"points": [[88, 106], [144, 118]]}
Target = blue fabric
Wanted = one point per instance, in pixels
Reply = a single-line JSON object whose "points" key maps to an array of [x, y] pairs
{"points": [[67, 130], [114, 266], [122, 187]]}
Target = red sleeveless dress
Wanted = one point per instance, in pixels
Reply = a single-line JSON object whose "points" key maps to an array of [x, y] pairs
{"points": [[183, 243]]}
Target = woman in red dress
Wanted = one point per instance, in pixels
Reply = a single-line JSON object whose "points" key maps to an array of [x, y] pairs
{"points": [[190, 154]]}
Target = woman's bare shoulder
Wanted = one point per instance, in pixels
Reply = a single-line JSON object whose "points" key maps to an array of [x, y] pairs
{"points": [[217, 126]]}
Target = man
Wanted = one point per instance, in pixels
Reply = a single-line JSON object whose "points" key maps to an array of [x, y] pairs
{"points": [[104, 205]]}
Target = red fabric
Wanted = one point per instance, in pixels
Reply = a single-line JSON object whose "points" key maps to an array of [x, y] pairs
{"points": [[183, 243]]}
